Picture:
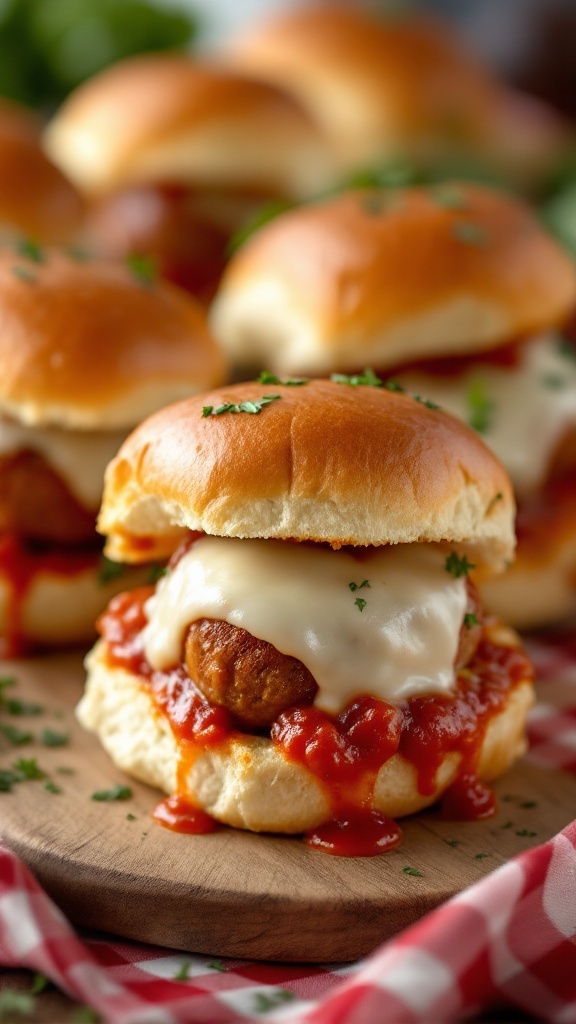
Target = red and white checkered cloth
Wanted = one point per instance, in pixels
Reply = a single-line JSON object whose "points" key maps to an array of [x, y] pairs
{"points": [[509, 940]]}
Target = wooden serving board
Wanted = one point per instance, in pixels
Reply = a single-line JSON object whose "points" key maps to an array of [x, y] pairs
{"points": [[110, 867]]}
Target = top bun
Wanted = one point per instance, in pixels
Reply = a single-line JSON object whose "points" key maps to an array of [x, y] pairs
{"points": [[168, 118], [87, 344], [323, 461], [392, 84], [35, 197], [381, 278]]}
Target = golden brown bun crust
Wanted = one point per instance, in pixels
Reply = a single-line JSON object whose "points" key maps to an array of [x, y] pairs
{"points": [[381, 278], [170, 118], [84, 343], [325, 462], [387, 85], [35, 197], [246, 782]]}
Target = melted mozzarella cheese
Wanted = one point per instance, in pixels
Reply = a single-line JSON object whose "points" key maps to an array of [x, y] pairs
{"points": [[308, 601], [79, 457], [526, 408]]}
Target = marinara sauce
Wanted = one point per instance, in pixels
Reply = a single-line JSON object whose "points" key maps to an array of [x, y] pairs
{"points": [[345, 752]]}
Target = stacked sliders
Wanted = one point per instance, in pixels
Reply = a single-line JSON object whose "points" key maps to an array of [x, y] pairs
{"points": [[458, 293], [316, 658], [87, 349], [175, 154]]}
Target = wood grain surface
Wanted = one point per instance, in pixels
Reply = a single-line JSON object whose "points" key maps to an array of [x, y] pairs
{"points": [[109, 867]]}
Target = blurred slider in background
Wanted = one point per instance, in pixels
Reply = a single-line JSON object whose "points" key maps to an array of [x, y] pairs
{"points": [[456, 292], [87, 349]]}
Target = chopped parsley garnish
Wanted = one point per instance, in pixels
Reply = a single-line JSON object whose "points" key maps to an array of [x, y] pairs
{"points": [[39, 983], [27, 769], [183, 972], [494, 501], [270, 378], [143, 268], [425, 401], [374, 203], [77, 253], [554, 381], [481, 856], [118, 792], [253, 406], [51, 738], [130, 817], [509, 824], [21, 707], [23, 274], [469, 233], [528, 805], [360, 604], [14, 1002], [448, 196], [567, 349], [458, 566], [51, 787], [359, 586], [366, 379], [16, 736], [62, 770], [109, 570], [393, 385], [263, 1002], [156, 573], [216, 965], [267, 213], [7, 780], [480, 407], [526, 832], [470, 620], [30, 250], [412, 871], [454, 842]]}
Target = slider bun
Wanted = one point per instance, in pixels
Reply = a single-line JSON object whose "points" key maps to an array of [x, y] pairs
{"points": [[36, 199], [169, 118], [60, 606], [325, 462], [85, 345], [399, 85], [378, 85], [381, 278], [246, 782]]}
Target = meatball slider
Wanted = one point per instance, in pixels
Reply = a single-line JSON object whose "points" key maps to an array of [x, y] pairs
{"points": [[387, 86], [87, 350], [315, 653], [460, 294], [175, 154]]}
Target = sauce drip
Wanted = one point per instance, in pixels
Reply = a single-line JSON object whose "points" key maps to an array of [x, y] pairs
{"points": [[180, 815], [345, 752], [355, 834]]}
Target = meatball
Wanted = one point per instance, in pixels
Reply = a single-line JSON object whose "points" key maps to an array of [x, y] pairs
{"points": [[255, 682], [36, 504], [249, 677]]}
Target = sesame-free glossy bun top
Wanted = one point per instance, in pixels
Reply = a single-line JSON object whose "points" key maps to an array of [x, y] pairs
{"points": [[170, 118], [86, 344], [388, 84], [381, 278], [36, 199], [324, 461]]}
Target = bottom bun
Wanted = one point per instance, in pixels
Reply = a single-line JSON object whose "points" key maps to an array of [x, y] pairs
{"points": [[54, 602], [245, 781]]}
